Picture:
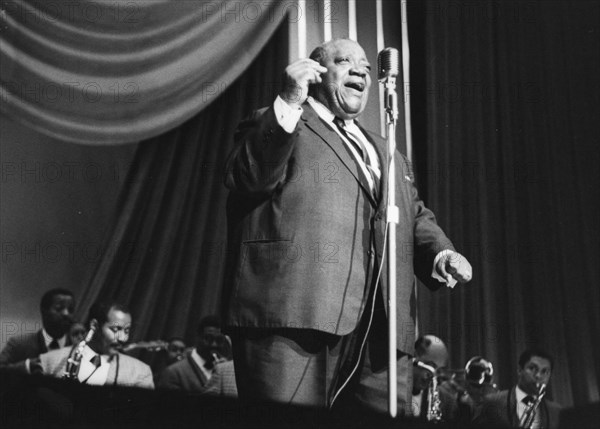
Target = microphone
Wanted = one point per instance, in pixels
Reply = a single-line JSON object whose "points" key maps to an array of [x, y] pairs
{"points": [[388, 67], [388, 64]]}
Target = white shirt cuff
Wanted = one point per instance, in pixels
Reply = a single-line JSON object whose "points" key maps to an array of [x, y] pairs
{"points": [[435, 274], [287, 116]]}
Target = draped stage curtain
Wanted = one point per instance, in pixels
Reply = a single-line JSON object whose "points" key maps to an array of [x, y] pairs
{"points": [[167, 252], [107, 72], [506, 104]]}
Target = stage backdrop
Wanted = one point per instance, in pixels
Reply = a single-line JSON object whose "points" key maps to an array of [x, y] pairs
{"points": [[504, 107]]}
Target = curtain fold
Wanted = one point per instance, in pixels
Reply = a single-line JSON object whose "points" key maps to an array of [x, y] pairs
{"points": [[167, 248], [108, 72], [506, 100]]}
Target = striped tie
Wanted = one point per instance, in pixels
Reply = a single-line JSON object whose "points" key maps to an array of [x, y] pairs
{"points": [[358, 144]]}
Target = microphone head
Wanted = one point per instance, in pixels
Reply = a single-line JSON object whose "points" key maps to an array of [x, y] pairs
{"points": [[388, 63]]}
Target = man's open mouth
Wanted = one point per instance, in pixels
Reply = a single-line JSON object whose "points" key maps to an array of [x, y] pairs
{"points": [[358, 86]]}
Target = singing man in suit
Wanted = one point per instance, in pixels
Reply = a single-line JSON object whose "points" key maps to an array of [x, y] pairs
{"points": [[208, 369], [307, 222], [505, 409], [102, 362], [56, 307]]}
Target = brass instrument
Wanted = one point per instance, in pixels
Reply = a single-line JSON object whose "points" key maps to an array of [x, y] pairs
{"points": [[74, 360], [434, 404], [152, 346], [529, 415]]}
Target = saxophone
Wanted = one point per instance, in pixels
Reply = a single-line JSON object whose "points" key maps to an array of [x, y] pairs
{"points": [[434, 404], [529, 415], [74, 360]]}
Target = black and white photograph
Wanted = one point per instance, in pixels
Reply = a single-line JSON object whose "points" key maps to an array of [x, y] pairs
{"points": [[239, 214]]}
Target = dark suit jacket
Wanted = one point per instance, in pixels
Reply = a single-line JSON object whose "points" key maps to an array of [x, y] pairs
{"points": [[124, 370], [305, 230], [27, 346], [499, 410], [187, 376]]}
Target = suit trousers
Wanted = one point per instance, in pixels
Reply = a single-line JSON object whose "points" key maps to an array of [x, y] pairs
{"points": [[310, 367]]}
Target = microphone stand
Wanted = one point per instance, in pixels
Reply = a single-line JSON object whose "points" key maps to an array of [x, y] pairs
{"points": [[391, 108]]}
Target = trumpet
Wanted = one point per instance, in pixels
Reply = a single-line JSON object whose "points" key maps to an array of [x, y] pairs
{"points": [[153, 346], [529, 415], [434, 404]]}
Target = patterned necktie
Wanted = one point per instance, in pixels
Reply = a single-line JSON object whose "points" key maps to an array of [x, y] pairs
{"points": [[528, 401], [361, 149], [53, 344], [96, 361]]}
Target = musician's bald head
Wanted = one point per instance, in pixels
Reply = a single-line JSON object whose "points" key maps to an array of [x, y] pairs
{"points": [[431, 349]]}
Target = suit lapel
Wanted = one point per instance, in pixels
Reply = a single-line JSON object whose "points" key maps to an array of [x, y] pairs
{"points": [[198, 371], [335, 142], [512, 408], [544, 419], [41, 342]]}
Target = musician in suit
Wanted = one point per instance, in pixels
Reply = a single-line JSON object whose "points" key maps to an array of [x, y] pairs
{"points": [[56, 308], [307, 222], [208, 369], [432, 352], [463, 395], [505, 409], [102, 363]]}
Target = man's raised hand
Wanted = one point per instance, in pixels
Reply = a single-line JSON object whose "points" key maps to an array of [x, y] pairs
{"points": [[297, 78]]}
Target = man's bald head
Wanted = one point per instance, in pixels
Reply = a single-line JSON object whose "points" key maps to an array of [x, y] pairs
{"points": [[431, 349]]}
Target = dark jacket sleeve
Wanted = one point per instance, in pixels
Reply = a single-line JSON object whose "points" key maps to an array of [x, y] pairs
{"points": [[168, 379], [12, 357], [258, 162], [430, 239]]}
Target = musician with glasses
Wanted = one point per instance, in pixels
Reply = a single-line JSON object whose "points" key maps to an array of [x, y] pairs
{"points": [[524, 405]]}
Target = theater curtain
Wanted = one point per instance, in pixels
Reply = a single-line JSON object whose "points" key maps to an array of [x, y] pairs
{"points": [[506, 107], [107, 72], [166, 253]]}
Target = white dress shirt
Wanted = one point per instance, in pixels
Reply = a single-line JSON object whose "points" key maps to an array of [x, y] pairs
{"points": [[521, 407], [62, 341]]}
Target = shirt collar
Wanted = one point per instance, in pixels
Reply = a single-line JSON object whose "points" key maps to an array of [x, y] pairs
{"points": [[520, 394], [88, 353], [324, 113], [48, 339]]}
